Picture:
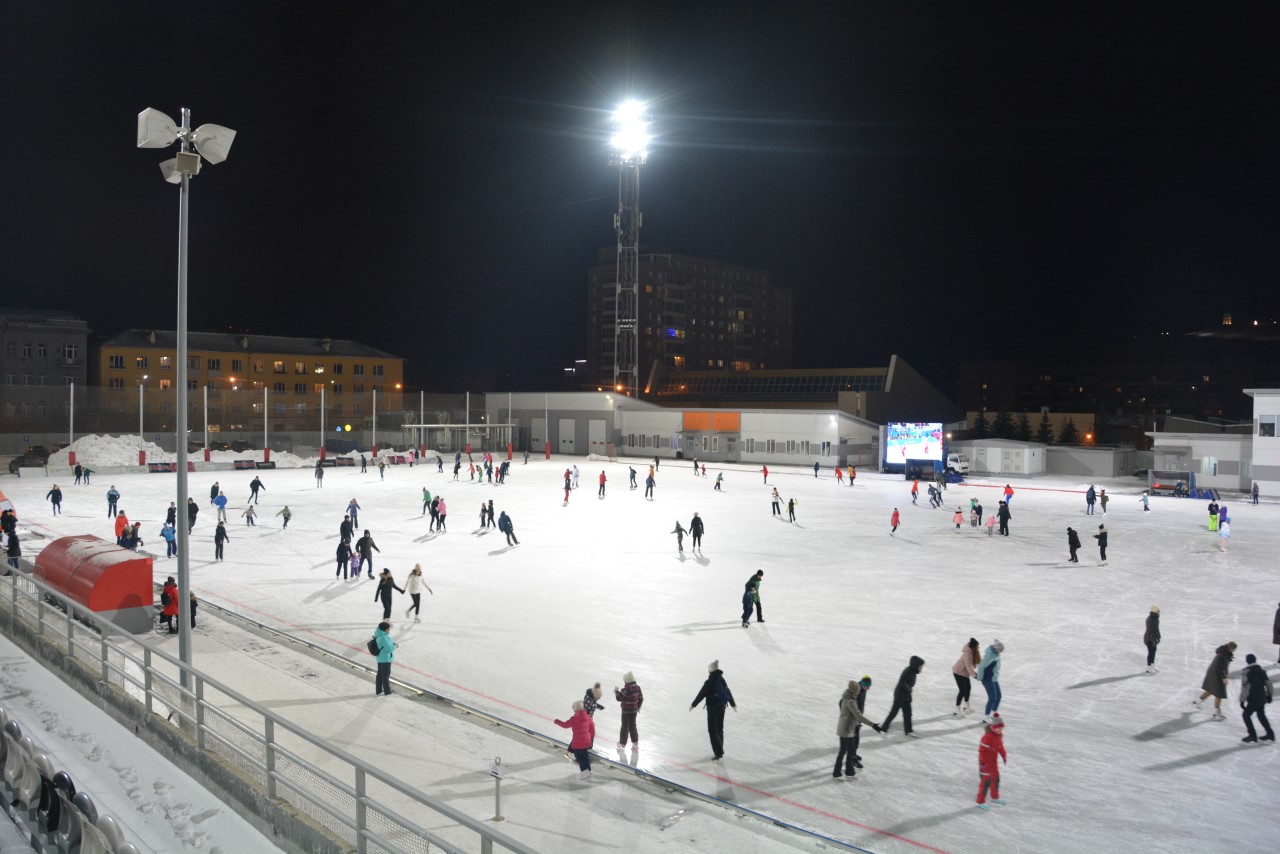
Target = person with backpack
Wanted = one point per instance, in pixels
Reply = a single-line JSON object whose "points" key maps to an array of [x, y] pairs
{"points": [[715, 691], [630, 698], [385, 585], [386, 653], [1255, 694], [169, 604]]}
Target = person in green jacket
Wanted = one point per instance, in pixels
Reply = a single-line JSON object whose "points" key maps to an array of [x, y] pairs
{"points": [[386, 654], [426, 500], [287, 514]]}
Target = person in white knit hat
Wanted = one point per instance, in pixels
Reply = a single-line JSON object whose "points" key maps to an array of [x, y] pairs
{"points": [[717, 694], [630, 698]]}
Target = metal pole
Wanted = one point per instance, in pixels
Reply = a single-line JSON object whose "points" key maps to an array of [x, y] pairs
{"points": [[206, 417], [180, 426], [466, 429], [322, 416], [374, 443], [142, 440], [266, 439], [71, 430], [422, 419]]}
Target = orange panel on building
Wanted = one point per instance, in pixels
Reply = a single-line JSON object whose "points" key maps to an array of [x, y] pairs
{"points": [[726, 422], [697, 421]]}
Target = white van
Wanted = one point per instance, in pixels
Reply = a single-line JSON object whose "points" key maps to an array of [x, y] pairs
{"points": [[958, 463]]}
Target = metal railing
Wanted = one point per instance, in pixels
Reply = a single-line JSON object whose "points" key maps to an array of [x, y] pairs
{"points": [[353, 801]]}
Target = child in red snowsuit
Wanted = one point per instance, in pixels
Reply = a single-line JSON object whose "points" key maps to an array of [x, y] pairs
{"points": [[991, 746]]}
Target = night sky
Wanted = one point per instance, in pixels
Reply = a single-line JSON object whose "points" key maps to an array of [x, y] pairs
{"points": [[940, 181]]}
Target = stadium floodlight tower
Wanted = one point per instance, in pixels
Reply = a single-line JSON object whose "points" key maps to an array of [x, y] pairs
{"points": [[212, 142], [630, 148]]}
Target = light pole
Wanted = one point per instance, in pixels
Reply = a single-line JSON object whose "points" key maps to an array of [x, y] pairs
{"points": [[212, 142], [142, 392], [630, 150]]}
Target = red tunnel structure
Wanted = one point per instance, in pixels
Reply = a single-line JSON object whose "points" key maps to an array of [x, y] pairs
{"points": [[103, 577]]}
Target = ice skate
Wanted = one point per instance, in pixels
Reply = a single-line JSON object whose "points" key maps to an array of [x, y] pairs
{"points": [[984, 807], [911, 735], [1199, 704], [585, 775], [408, 611], [1151, 668], [968, 710], [958, 713], [999, 801], [417, 619], [1271, 736], [857, 763], [621, 747], [1250, 739], [1217, 715], [838, 776]]}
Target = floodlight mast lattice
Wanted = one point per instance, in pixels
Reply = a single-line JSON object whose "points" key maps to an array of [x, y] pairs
{"points": [[213, 143], [630, 150]]}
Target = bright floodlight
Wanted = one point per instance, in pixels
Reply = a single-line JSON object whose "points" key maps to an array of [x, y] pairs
{"points": [[214, 142], [630, 140], [155, 129]]}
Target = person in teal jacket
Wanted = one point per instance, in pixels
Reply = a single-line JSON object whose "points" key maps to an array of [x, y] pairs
{"points": [[386, 654], [989, 673]]}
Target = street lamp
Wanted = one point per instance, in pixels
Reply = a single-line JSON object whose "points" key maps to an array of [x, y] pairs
{"points": [[213, 143], [630, 150]]}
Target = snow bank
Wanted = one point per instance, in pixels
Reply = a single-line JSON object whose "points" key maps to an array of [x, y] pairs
{"points": [[103, 451]]}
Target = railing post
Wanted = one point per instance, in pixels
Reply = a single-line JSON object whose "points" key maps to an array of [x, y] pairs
{"points": [[362, 846], [200, 713], [106, 651], [71, 648], [146, 678], [39, 613], [271, 758]]}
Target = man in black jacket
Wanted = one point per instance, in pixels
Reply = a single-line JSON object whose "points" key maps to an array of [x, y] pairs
{"points": [[192, 511], [1073, 543], [346, 531], [1255, 693], [1004, 516], [902, 696], [695, 529], [1151, 637], [365, 547]]}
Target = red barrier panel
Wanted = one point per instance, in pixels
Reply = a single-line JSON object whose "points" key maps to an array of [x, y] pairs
{"points": [[102, 577]]}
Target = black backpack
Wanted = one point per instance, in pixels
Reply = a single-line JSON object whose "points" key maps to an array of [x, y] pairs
{"points": [[165, 599], [373, 646]]}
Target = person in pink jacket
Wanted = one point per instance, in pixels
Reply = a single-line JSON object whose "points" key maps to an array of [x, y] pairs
{"points": [[965, 670], [584, 735]]}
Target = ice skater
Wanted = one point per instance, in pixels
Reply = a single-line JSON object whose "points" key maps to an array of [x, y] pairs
{"points": [[113, 497], [254, 486], [851, 718], [286, 513], [1101, 537], [1151, 637], [648, 487], [1146, 507], [1073, 544], [894, 521], [791, 509], [777, 502], [54, 497], [1090, 497], [603, 480], [1008, 494], [575, 475], [915, 490], [219, 538], [715, 691], [988, 672], [630, 698], [385, 585], [991, 746], [1102, 499], [344, 559], [1215, 679], [506, 526], [958, 518], [695, 531], [413, 586], [1255, 693], [902, 697], [365, 547], [353, 510], [679, 532], [759, 577], [766, 475], [632, 472], [584, 735], [964, 671], [1003, 514], [591, 699], [250, 515], [221, 504], [1224, 533], [748, 601]]}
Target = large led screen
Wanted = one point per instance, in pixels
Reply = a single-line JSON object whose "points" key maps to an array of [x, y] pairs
{"points": [[912, 442]]}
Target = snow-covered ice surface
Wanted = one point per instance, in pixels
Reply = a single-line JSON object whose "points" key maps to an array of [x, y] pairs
{"points": [[160, 808], [1102, 757]]}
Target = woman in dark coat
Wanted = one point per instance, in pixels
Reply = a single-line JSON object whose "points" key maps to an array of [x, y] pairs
{"points": [[1073, 543], [1275, 630], [1215, 679], [385, 585], [1151, 637]]}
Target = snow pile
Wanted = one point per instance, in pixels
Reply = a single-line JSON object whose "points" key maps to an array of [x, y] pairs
{"points": [[99, 451]]}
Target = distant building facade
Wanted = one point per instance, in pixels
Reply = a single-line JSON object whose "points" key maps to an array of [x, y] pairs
{"points": [[41, 354], [693, 314], [235, 369]]}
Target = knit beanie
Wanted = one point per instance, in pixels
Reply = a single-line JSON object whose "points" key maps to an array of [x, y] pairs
{"points": [[998, 645], [997, 722], [628, 678], [1251, 659], [713, 666], [865, 681], [1155, 609]]}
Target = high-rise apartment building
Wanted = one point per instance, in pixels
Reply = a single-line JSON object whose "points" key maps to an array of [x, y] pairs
{"points": [[42, 352], [694, 313]]}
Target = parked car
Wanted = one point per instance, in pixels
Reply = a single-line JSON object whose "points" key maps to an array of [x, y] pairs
{"points": [[29, 460], [240, 446], [37, 451]]}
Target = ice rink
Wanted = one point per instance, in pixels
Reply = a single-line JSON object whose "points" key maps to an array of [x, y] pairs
{"points": [[1102, 756]]}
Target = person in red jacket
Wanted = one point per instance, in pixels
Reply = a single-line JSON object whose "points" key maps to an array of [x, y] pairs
{"points": [[991, 746], [169, 604], [122, 522], [584, 735], [895, 520], [1008, 493], [602, 481]]}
